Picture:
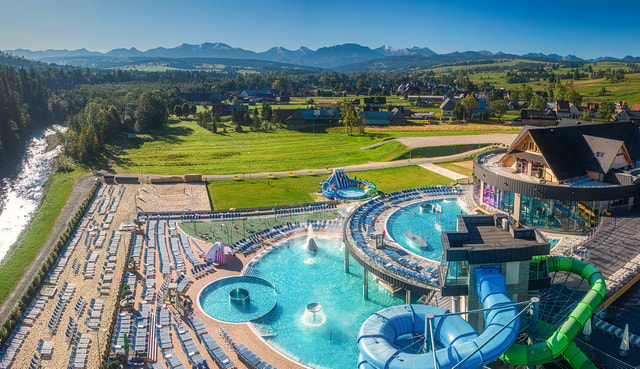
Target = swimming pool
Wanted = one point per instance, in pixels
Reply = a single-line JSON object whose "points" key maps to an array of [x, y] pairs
{"points": [[218, 299], [351, 192], [426, 219], [328, 339]]}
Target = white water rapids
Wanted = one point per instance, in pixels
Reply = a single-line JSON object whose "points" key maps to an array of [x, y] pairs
{"points": [[21, 192]]}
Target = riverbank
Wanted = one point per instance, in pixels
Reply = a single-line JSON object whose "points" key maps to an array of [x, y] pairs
{"points": [[64, 193]]}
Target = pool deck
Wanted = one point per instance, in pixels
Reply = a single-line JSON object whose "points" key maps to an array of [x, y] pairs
{"points": [[613, 250]]}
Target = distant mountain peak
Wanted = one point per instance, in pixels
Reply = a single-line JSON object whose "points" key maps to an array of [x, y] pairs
{"points": [[331, 57]]}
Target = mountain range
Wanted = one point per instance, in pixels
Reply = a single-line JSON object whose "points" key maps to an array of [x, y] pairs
{"points": [[345, 57]]}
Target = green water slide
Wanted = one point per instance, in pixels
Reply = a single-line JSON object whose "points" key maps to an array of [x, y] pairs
{"points": [[560, 342]]}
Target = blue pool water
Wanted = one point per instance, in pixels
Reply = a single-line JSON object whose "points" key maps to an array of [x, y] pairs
{"points": [[328, 339], [351, 192], [428, 224], [214, 299]]}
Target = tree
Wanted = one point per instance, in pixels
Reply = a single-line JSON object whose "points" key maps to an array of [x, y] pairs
{"points": [[186, 109], [351, 118], [216, 120], [573, 96], [602, 92], [499, 107], [470, 105], [177, 110], [193, 109], [606, 110], [151, 113], [526, 92], [537, 103], [458, 112]]}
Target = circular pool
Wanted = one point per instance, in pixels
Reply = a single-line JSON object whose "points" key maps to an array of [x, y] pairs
{"points": [[426, 220], [238, 299]]}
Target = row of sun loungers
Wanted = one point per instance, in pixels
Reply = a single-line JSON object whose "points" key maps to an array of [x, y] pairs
{"points": [[183, 283], [124, 322], [251, 243], [142, 331], [156, 239], [400, 260], [33, 310], [364, 217], [188, 345], [178, 260], [64, 258], [136, 249], [114, 242], [248, 357], [186, 247], [12, 345], [304, 208], [217, 353], [45, 348], [149, 290], [202, 270], [324, 225]]}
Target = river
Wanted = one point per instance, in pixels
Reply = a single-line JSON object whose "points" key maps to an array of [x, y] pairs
{"points": [[21, 191]]}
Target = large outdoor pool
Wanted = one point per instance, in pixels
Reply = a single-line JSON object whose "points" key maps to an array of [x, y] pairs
{"points": [[327, 338], [427, 219]]}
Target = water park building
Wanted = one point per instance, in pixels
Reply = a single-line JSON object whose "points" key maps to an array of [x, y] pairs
{"points": [[562, 178]]}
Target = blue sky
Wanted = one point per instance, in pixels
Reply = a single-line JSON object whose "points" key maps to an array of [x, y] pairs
{"points": [[587, 29]]}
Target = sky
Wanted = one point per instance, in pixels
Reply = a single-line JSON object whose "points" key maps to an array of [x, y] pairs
{"points": [[587, 29]]}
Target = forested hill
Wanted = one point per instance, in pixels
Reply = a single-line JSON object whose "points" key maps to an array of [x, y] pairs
{"points": [[24, 106]]}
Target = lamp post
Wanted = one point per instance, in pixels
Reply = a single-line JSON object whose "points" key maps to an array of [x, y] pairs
{"points": [[98, 342]]}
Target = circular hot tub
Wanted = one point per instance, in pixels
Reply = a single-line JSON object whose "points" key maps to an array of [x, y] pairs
{"points": [[239, 296], [238, 299]]}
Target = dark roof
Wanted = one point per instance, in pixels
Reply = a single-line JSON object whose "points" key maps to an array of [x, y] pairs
{"points": [[604, 150], [375, 100], [376, 117], [284, 114], [567, 152], [448, 104], [529, 156], [316, 114], [562, 105]]}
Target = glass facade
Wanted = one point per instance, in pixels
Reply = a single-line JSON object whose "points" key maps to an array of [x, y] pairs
{"points": [[497, 198], [558, 215], [456, 273]]}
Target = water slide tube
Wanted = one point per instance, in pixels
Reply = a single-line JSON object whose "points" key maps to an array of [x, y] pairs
{"points": [[456, 339], [560, 342]]}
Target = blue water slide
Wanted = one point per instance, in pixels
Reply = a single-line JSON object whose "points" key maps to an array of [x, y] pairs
{"points": [[381, 336]]}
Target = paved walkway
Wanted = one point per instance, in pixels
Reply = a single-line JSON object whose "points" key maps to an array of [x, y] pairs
{"points": [[425, 141], [443, 171]]}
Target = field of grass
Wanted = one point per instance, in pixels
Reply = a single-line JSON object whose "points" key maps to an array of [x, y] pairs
{"points": [[184, 147], [435, 151], [461, 167], [56, 192], [287, 191]]}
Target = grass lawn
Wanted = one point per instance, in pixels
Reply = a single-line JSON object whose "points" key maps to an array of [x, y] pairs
{"points": [[287, 191], [57, 190], [461, 167], [184, 147]]}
